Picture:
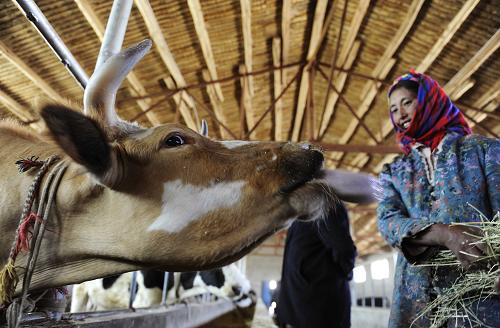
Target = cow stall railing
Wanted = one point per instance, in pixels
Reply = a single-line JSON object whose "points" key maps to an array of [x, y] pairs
{"points": [[177, 315], [185, 312]]}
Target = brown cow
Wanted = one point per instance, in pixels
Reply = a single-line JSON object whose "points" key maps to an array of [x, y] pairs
{"points": [[164, 197]]}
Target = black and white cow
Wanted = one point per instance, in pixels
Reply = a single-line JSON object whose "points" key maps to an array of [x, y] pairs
{"points": [[114, 292]]}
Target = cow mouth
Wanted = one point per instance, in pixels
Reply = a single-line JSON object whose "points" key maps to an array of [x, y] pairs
{"points": [[313, 199], [317, 175], [242, 251]]}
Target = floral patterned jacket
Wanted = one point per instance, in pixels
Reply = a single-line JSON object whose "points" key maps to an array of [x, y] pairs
{"points": [[467, 171]]}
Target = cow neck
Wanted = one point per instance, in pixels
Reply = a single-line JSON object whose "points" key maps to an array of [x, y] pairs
{"points": [[32, 223]]}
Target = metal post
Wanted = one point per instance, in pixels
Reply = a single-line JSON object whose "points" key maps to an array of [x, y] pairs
{"points": [[165, 289], [133, 287], [42, 25]]}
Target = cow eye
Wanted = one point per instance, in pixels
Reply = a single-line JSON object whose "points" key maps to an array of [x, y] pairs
{"points": [[174, 140]]}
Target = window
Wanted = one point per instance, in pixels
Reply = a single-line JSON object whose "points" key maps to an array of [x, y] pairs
{"points": [[359, 274], [380, 269]]}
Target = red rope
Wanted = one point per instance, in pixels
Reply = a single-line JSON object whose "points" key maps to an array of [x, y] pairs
{"points": [[23, 242]]}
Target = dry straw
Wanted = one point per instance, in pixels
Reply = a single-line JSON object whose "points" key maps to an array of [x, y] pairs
{"points": [[471, 286]]}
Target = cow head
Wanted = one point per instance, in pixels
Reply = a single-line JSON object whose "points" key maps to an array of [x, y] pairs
{"points": [[169, 197]]}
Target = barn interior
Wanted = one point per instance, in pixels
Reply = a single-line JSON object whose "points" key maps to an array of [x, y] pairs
{"points": [[313, 71]]}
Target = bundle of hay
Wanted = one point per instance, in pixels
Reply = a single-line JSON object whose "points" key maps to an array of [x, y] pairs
{"points": [[471, 286]]}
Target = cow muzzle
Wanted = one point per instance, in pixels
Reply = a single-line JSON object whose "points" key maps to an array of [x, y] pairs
{"points": [[302, 163]]}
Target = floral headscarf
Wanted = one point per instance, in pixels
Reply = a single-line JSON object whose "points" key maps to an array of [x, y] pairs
{"points": [[434, 116]]}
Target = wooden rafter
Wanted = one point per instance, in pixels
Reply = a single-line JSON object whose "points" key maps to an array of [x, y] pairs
{"points": [[246, 101], [277, 74], [286, 20], [18, 110], [438, 47], [381, 71], [206, 47], [315, 42], [369, 149], [216, 105], [182, 107], [163, 50], [346, 58], [354, 27], [333, 64], [271, 106], [489, 95], [137, 89], [333, 96], [447, 34], [246, 22], [474, 63], [30, 73]]}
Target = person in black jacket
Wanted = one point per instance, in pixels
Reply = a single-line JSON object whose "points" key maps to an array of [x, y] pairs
{"points": [[317, 266]]}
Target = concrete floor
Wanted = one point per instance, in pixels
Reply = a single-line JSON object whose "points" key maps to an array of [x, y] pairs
{"points": [[261, 318]]}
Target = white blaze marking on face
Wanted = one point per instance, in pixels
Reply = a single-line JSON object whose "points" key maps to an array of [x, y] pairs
{"points": [[183, 204], [236, 143]]}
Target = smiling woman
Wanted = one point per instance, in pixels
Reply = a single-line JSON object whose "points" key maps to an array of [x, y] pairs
{"points": [[446, 173], [403, 103]]}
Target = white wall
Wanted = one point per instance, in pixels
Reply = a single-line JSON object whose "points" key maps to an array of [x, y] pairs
{"points": [[263, 267], [371, 287]]}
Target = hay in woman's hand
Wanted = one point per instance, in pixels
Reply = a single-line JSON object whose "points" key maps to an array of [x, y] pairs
{"points": [[480, 281]]}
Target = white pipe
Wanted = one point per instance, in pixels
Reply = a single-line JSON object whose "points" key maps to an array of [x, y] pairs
{"points": [[115, 31]]}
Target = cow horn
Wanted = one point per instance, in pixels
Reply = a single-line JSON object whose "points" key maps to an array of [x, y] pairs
{"points": [[204, 128], [100, 94]]}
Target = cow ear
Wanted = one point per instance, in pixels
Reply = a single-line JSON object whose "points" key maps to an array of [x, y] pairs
{"points": [[80, 137]]}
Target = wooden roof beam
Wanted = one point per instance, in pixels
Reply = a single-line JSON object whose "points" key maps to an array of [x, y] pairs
{"points": [[278, 107], [315, 42], [246, 101], [486, 102], [354, 27], [381, 71], [447, 34], [137, 89], [18, 110], [163, 50], [216, 105], [369, 149], [286, 21], [182, 107], [206, 47], [246, 22], [462, 89], [30, 73], [333, 96], [346, 58], [474, 63]]}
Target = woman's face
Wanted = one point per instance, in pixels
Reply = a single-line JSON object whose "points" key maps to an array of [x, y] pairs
{"points": [[402, 105]]}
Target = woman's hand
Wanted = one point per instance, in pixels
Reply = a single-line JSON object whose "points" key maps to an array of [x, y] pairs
{"points": [[463, 241]]}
